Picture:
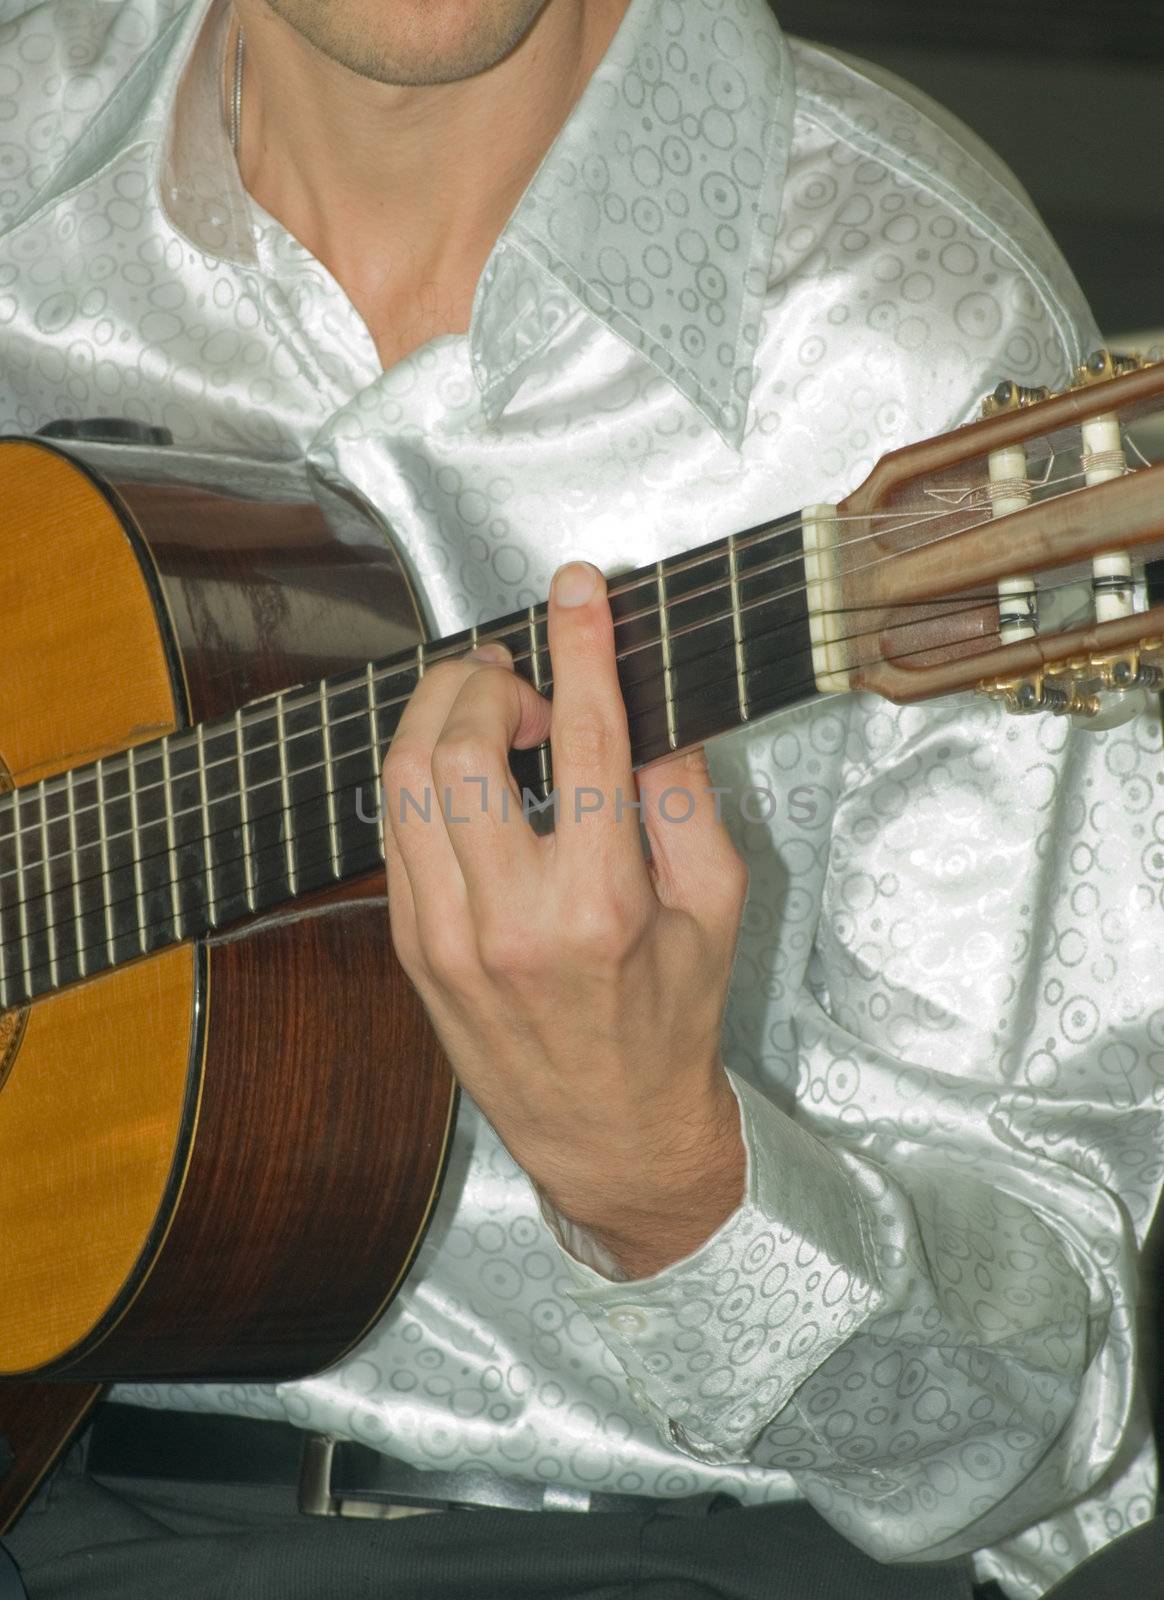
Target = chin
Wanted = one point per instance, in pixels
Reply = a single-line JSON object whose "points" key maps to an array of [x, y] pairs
{"points": [[413, 41]]}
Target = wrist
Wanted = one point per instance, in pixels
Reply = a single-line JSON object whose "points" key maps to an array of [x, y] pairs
{"points": [[649, 1201]]}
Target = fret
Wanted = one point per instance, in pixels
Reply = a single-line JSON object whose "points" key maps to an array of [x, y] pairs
{"points": [[285, 795], [375, 732], [187, 840], [221, 803], [47, 882], [207, 829], [668, 675], [7, 868], [535, 664], [25, 972], [777, 642], [103, 850], [74, 854], [308, 816], [244, 811], [737, 629], [357, 801], [264, 768], [135, 847], [329, 781], [42, 966], [155, 842], [545, 777], [171, 838], [420, 661], [56, 877], [641, 667]]}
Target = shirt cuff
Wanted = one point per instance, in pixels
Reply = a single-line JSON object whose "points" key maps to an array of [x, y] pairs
{"points": [[715, 1345]]}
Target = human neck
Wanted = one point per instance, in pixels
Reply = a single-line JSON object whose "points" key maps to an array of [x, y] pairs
{"points": [[401, 192]]}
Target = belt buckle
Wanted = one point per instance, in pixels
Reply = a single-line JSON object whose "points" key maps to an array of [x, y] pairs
{"points": [[315, 1494]]}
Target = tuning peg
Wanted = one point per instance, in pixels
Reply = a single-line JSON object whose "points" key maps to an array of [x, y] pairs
{"points": [[1011, 396], [1103, 364], [1097, 692]]}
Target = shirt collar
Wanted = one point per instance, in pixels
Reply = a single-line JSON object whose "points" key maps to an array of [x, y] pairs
{"points": [[655, 210]]}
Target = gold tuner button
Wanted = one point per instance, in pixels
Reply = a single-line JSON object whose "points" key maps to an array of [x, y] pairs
{"points": [[1017, 696], [1116, 672], [1104, 364], [1011, 396]]}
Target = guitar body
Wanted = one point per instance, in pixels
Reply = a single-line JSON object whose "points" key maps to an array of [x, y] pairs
{"points": [[218, 1160]]}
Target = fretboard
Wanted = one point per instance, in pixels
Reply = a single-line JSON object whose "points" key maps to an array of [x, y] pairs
{"points": [[185, 835]]}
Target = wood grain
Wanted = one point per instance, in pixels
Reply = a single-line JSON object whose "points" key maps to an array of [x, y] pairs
{"points": [[95, 1090], [321, 1139], [90, 1125], [83, 668]]}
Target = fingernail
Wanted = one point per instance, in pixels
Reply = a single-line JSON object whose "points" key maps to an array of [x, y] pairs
{"points": [[575, 583], [493, 655]]}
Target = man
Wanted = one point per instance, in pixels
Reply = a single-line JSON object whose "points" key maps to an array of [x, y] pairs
{"points": [[591, 282]]}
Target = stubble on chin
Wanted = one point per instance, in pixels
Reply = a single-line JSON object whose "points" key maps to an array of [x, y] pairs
{"points": [[413, 42]]}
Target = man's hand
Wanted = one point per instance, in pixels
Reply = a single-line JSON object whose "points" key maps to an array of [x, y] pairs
{"points": [[577, 988]]}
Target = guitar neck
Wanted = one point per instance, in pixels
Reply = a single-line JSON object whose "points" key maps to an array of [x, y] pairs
{"points": [[183, 835]]}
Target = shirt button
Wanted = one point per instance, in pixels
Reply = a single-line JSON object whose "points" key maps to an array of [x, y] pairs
{"points": [[627, 1322]]}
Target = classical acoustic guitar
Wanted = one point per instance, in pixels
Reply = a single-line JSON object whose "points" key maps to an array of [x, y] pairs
{"points": [[223, 1118]]}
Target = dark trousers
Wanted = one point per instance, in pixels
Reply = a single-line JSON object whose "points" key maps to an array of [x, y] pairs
{"points": [[134, 1540]]}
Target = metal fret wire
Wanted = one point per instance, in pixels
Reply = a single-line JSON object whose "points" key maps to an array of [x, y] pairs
{"points": [[964, 603], [324, 827]]}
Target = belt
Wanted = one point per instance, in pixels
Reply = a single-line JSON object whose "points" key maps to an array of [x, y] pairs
{"points": [[333, 1478]]}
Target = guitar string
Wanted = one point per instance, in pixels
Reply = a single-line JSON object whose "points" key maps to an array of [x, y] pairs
{"points": [[32, 866], [198, 875], [34, 826], [276, 849], [300, 699], [279, 846], [118, 765]]}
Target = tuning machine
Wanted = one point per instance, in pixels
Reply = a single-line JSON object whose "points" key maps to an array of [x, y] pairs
{"points": [[1101, 690], [1104, 364], [1011, 396], [1100, 366]]}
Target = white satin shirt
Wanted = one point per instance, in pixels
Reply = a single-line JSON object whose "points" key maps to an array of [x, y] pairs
{"points": [[743, 272]]}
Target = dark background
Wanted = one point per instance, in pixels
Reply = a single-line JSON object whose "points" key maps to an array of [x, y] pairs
{"points": [[1071, 95]]}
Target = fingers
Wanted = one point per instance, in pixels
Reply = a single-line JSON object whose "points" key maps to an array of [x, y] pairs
{"points": [[416, 841], [589, 739], [495, 849], [695, 864]]}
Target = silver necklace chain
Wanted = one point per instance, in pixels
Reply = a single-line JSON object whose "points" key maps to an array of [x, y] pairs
{"points": [[235, 108]]}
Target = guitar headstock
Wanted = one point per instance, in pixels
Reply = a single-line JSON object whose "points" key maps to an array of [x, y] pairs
{"points": [[1006, 557]]}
